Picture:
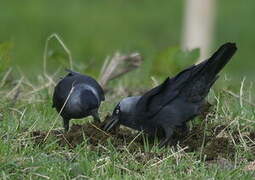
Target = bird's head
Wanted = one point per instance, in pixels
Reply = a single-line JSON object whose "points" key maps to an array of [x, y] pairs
{"points": [[123, 113]]}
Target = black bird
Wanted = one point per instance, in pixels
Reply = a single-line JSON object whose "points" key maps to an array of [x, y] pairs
{"points": [[77, 96], [174, 102]]}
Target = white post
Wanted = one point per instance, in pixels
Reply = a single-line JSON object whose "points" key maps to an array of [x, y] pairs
{"points": [[198, 26]]}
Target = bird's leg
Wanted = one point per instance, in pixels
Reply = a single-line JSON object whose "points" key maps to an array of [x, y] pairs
{"points": [[66, 124], [95, 115], [185, 129], [168, 136]]}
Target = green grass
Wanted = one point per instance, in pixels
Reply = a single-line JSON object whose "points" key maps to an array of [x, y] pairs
{"points": [[21, 158]]}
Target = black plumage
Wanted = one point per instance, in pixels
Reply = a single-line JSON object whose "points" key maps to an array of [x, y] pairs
{"points": [[174, 102], [77, 96]]}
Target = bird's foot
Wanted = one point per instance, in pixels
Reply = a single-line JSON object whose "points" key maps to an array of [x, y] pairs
{"points": [[95, 115]]}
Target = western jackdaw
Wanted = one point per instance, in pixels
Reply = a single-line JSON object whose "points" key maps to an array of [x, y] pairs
{"points": [[174, 102], [77, 96]]}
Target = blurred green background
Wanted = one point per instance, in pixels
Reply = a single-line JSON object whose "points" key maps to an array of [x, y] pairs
{"points": [[94, 29]]}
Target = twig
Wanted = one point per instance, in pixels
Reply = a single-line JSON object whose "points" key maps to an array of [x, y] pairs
{"points": [[66, 140], [134, 139], [38, 89], [5, 77], [124, 168], [16, 87], [204, 136], [241, 92], [81, 177], [20, 119], [173, 154], [118, 65], [241, 137], [99, 129], [42, 176], [68, 52], [59, 113], [221, 132]]}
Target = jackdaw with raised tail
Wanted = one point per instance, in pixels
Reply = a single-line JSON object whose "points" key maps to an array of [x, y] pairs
{"points": [[173, 103]]}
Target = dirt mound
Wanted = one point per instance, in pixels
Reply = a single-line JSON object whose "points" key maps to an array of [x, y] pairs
{"points": [[207, 141], [90, 132]]}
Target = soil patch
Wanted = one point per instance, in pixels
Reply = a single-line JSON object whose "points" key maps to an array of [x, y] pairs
{"points": [[200, 139]]}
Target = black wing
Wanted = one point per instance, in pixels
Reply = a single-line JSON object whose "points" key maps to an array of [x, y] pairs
{"points": [[193, 84], [155, 99]]}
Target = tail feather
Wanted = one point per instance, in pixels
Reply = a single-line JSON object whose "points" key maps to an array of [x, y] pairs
{"points": [[219, 59], [204, 75]]}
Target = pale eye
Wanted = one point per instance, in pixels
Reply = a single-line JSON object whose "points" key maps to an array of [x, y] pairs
{"points": [[117, 111]]}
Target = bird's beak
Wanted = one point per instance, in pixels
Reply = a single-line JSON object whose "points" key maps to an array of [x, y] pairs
{"points": [[111, 123]]}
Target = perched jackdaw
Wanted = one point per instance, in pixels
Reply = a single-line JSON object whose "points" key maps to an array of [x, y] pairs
{"points": [[174, 102], [77, 96]]}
